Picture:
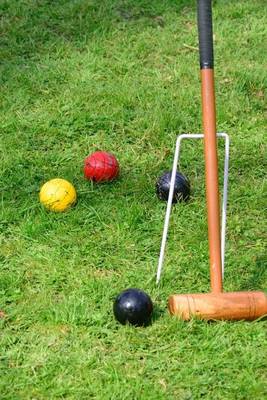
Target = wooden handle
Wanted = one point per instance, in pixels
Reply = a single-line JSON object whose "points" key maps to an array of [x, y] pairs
{"points": [[221, 306], [205, 37], [211, 171]]}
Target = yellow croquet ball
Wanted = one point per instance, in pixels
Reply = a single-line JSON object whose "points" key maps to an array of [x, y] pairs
{"points": [[57, 195]]}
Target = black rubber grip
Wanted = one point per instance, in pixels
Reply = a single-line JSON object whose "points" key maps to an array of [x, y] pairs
{"points": [[204, 19]]}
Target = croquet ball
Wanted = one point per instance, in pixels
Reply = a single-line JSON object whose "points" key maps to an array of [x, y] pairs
{"points": [[101, 166], [181, 187], [57, 195], [133, 306]]}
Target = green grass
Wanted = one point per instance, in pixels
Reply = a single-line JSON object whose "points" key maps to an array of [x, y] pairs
{"points": [[77, 76]]}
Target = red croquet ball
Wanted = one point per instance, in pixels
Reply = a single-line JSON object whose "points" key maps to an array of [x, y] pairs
{"points": [[101, 166]]}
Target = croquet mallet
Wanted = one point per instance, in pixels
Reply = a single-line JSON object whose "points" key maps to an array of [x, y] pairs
{"points": [[215, 305]]}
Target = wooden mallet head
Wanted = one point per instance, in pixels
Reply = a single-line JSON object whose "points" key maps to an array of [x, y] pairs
{"points": [[219, 306]]}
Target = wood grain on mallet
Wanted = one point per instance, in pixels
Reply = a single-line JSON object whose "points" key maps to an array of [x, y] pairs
{"points": [[219, 306]]}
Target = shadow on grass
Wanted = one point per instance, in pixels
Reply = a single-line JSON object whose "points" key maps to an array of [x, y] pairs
{"points": [[29, 28], [258, 276], [158, 313]]}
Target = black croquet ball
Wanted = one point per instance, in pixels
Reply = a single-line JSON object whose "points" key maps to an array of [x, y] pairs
{"points": [[181, 187], [133, 306]]}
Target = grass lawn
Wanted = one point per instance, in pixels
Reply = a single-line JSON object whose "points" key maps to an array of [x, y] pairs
{"points": [[123, 76]]}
